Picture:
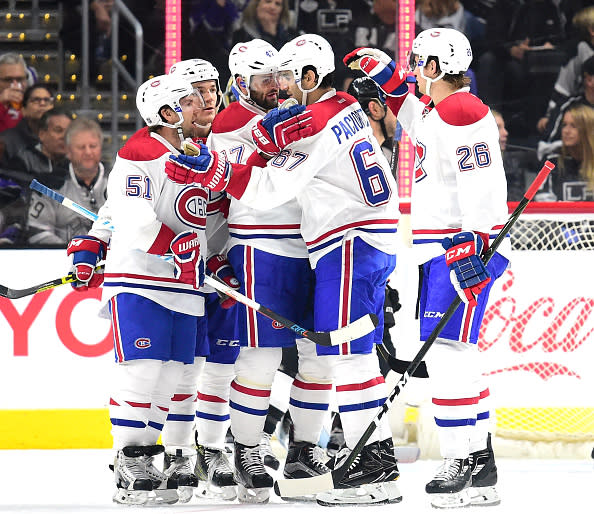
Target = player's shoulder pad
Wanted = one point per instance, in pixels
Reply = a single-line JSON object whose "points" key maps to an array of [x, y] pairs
{"points": [[461, 109], [231, 118], [142, 147], [326, 110]]}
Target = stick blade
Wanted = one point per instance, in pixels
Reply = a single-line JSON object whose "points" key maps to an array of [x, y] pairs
{"points": [[303, 486], [354, 330]]}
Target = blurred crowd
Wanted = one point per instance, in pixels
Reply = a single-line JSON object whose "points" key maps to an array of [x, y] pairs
{"points": [[533, 64]]}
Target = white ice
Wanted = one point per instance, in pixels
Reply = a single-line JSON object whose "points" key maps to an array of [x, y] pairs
{"points": [[79, 481]]}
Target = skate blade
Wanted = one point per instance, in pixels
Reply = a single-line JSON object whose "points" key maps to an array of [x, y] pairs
{"points": [[208, 491], [163, 497], [260, 495], [484, 496], [451, 500], [185, 493], [307, 498], [125, 497], [366, 494]]}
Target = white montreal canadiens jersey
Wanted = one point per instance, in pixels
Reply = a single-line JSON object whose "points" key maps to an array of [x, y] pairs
{"points": [[141, 200], [340, 177], [459, 181], [276, 231]]}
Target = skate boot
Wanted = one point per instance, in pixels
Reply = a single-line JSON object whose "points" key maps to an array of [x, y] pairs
{"points": [[369, 479], [253, 482], [484, 477], [215, 475], [304, 460], [164, 487], [450, 486], [390, 464], [268, 457], [132, 482], [181, 469]]}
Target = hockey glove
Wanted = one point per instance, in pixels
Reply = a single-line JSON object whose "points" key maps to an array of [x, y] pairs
{"points": [[468, 273], [220, 267], [380, 68], [280, 127], [208, 168], [188, 262], [86, 252]]}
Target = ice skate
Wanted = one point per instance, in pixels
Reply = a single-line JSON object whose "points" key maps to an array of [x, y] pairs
{"points": [[369, 480], [390, 464], [450, 486], [164, 487], [304, 460], [336, 442], [215, 475], [268, 457], [253, 482], [484, 477], [181, 469], [132, 482]]}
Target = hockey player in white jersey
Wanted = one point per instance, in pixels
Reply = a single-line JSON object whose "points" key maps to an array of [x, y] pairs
{"points": [[458, 203], [349, 216], [153, 304], [208, 408], [261, 242]]}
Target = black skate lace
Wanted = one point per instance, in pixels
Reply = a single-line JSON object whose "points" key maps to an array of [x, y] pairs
{"points": [[449, 469], [252, 460]]}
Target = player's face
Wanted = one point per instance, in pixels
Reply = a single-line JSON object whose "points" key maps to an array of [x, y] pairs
{"points": [[264, 90], [570, 135], [289, 85], [209, 91], [390, 123], [191, 106]]}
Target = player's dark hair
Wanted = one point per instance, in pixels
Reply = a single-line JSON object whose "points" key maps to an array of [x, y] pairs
{"points": [[327, 81]]}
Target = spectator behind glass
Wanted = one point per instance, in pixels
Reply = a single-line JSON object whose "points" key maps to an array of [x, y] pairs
{"points": [[267, 20], [552, 140], [512, 29], [13, 81], [573, 178], [37, 100], [520, 163], [569, 81], [48, 222], [448, 14]]}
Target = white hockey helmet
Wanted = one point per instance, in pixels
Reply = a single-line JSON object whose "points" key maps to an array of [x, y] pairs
{"points": [[255, 57], [197, 70], [450, 46], [307, 50], [158, 92]]}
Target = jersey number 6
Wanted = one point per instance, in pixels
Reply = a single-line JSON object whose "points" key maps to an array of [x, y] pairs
{"points": [[372, 180]]}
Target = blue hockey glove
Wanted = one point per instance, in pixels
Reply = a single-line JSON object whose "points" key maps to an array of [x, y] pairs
{"points": [[380, 68], [281, 127], [188, 261], [468, 273], [206, 167]]}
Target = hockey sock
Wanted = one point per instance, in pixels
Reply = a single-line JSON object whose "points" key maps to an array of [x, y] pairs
{"points": [[212, 407], [308, 407]]}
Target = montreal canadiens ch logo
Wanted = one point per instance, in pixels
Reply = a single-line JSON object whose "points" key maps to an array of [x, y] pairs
{"points": [[190, 207], [277, 325], [420, 172], [142, 343]]}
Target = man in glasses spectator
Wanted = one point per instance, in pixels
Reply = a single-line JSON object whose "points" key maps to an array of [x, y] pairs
{"points": [[13, 81]]}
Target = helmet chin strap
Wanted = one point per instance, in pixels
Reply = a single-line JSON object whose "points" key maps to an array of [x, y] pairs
{"points": [[431, 81]]}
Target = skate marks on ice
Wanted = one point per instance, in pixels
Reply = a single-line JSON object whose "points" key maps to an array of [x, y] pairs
{"points": [[79, 481]]}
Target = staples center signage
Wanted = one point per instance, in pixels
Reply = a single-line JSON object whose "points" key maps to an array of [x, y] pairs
{"points": [[537, 336]]}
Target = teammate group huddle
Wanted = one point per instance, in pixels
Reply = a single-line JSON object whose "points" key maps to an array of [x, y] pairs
{"points": [[296, 208]]}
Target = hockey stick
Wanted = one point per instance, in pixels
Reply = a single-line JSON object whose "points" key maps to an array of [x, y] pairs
{"points": [[13, 294], [354, 330], [327, 481]]}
